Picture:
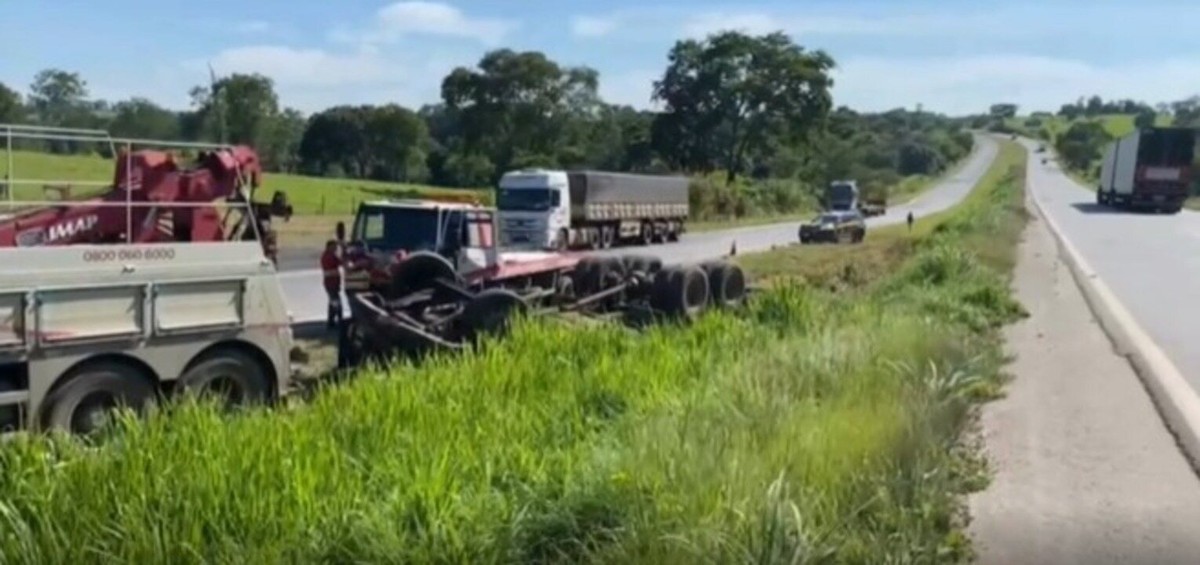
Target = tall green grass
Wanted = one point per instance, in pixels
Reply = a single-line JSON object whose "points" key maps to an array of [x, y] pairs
{"points": [[814, 426]]}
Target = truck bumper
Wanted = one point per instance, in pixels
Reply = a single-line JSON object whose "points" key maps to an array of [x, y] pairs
{"points": [[1159, 200]]}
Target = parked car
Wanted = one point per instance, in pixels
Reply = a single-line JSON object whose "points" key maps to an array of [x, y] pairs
{"points": [[843, 226]]}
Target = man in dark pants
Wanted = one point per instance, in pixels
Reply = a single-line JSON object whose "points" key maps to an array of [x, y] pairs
{"points": [[330, 262], [910, 220]]}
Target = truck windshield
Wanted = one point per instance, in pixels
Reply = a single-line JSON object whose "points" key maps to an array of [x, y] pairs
{"points": [[1167, 148], [526, 199], [387, 228]]}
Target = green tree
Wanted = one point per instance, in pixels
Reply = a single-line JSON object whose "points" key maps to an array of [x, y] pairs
{"points": [[58, 97], [518, 106], [334, 143], [241, 108], [729, 96], [143, 119], [1003, 111], [1081, 144], [1144, 120], [11, 108], [398, 140]]}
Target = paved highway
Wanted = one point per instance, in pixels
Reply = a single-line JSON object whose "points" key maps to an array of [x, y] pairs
{"points": [[1151, 262], [306, 300]]}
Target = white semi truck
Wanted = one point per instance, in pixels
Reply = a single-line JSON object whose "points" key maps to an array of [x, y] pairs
{"points": [[1150, 168], [567, 209]]}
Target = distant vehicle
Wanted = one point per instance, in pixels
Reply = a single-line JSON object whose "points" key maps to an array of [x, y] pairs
{"points": [[842, 226], [547, 209], [1041, 148], [842, 195], [1150, 168]]}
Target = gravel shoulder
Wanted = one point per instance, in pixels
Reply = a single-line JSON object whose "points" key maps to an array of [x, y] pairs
{"points": [[1084, 470]]}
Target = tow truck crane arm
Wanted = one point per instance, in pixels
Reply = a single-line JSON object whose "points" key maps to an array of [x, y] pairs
{"points": [[153, 199]]}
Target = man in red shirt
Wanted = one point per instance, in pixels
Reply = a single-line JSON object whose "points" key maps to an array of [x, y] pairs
{"points": [[333, 281]]}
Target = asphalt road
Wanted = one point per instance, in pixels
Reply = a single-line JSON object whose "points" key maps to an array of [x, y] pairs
{"points": [[1151, 262], [306, 299], [1085, 470]]}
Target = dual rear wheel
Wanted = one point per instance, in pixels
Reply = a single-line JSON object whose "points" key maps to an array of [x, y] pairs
{"points": [[90, 396]]}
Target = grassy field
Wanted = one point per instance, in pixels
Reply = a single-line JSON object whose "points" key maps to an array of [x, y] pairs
{"points": [[319, 203], [309, 195], [818, 425]]}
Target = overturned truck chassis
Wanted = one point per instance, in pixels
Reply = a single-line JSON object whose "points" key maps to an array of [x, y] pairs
{"points": [[429, 307]]}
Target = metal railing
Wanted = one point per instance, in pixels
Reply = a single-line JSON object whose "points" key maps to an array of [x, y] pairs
{"points": [[117, 146]]}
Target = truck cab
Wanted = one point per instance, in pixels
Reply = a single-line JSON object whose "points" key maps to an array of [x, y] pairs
{"points": [[460, 232], [534, 209]]}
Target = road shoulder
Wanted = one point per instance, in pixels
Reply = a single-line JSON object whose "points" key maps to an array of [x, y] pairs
{"points": [[1084, 471]]}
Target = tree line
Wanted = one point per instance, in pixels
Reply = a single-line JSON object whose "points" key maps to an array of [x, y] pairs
{"points": [[1081, 143], [752, 117]]}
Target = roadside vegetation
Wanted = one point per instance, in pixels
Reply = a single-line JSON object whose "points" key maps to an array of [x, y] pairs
{"points": [[755, 155], [1078, 133], [821, 423]]}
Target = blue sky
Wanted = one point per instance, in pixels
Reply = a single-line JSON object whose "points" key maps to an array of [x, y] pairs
{"points": [[954, 57]]}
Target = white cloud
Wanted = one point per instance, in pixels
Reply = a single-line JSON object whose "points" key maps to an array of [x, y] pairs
{"points": [[594, 26], [960, 85], [314, 79], [401, 19], [302, 67], [915, 25]]}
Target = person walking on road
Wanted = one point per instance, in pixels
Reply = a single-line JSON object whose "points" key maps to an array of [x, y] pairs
{"points": [[910, 220], [332, 276]]}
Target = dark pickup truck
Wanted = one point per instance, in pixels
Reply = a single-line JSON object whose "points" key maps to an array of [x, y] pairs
{"points": [[842, 226]]}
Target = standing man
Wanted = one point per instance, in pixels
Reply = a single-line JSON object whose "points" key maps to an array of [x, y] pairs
{"points": [[332, 277], [910, 220]]}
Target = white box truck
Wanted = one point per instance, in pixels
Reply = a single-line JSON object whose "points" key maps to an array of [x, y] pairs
{"points": [[1150, 168], [566, 209]]}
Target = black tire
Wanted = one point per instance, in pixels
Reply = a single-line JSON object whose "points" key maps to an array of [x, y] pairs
{"points": [[83, 403], [583, 276], [726, 284], [228, 374], [607, 237], [681, 292], [647, 264], [419, 271], [672, 234], [490, 313]]}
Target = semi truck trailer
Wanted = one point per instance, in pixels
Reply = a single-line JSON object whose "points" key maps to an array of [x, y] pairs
{"points": [[1150, 168], [541, 208]]}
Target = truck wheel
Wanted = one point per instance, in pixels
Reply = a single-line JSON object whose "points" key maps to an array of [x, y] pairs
{"points": [[230, 375], [726, 284], [672, 234], [647, 264], [419, 271], [85, 402], [607, 235], [647, 234], [582, 276], [681, 292], [490, 313]]}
